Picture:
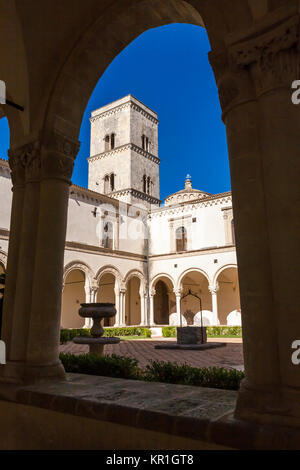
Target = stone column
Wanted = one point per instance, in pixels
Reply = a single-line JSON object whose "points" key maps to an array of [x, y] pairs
{"points": [[90, 297], [143, 305], [30, 156], [17, 166], [122, 306], [152, 294], [57, 160], [117, 305], [178, 304], [254, 76], [214, 299]]}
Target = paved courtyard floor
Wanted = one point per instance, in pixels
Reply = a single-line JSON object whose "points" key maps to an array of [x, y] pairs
{"points": [[230, 356]]}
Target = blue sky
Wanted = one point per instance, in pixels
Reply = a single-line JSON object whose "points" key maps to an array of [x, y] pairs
{"points": [[167, 68]]}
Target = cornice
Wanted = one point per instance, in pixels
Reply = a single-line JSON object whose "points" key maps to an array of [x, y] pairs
{"points": [[167, 211], [123, 148], [76, 246], [95, 197], [137, 194], [121, 107], [193, 253]]}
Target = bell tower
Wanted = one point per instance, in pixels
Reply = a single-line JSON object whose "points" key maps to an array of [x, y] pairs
{"points": [[124, 162]]}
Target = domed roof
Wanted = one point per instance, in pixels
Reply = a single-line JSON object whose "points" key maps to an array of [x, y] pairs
{"points": [[185, 195]]}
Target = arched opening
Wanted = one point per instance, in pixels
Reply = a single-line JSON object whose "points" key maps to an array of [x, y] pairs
{"points": [[228, 295], [133, 301], [164, 300], [197, 283], [106, 293], [181, 239], [73, 295]]}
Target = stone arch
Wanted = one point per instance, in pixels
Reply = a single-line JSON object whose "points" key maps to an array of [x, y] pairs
{"points": [[135, 273], [85, 65], [219, 271], [76, 290], [157, 277], [228, 295], [135, 290], [109, 269], [164, 301], [184, 273], [198, 282], [82, 267]]}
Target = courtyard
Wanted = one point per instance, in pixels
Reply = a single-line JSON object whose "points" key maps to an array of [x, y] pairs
{"points": [[230, 356]]}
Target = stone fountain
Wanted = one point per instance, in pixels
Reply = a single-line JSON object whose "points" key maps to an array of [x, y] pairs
{"points": [[96, 311]]}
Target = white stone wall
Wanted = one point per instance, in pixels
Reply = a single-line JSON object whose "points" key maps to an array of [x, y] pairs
{"points": [[207, 231]]}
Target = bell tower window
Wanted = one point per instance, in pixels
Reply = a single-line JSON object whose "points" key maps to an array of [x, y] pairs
{"points": [[112, 141], [109, 142], [145, 143], [112, 182]]}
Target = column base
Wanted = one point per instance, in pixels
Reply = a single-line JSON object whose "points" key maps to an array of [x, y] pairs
{"points": [[21, 372], [268, 405]]}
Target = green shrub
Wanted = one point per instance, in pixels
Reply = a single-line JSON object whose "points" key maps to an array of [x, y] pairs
{"points": [[169, 331], [156, 371], [214, 377], [212, 331], [128, 331], [68, 334], [109, 366]]}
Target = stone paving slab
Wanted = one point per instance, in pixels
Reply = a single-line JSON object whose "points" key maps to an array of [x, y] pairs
{"points": [[144, 352]]}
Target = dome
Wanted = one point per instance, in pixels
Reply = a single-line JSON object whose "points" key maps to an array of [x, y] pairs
{"points": [[185, 195]]}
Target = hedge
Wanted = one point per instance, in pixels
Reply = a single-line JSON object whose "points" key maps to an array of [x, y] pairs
{"points": [[156, 371], [68, 334], [109, 366], [212, 331]]}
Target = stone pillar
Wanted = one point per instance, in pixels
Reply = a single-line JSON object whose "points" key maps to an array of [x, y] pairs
{"points": [[151, 319], [17, 166], [117, 305], [34, 323], [122, 306], [90, 297], [254, 77], [178, 304], [214, 299], [143, 305]]}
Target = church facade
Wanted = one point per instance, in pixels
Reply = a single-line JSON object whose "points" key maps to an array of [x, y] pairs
{"points": [[160, 264]]}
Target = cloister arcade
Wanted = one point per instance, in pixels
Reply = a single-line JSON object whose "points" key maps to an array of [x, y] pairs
{"points": [[219, 297]]}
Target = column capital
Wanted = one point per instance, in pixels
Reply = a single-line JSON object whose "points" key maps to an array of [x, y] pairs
{"points": [[25, 162], [256, 63], [272, 56], [58, 156], [152, 292], [51, 155], [213, 289], [177, 292]]}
